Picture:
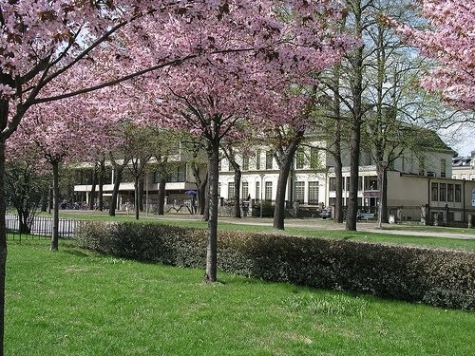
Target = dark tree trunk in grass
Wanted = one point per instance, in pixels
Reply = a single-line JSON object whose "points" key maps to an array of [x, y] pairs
{"points": [[202, 184], [3, 231], [202, 194], [102, 173], [92, 194], [284, 158], [356, 82], [212, 248], [115, 191], [161, 195], [55, 231], [336, 146], [237, 192], [137, 197], [206, 200], [338, 212]]}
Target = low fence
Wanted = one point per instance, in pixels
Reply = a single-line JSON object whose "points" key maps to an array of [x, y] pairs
{"points": [[43, 226]]}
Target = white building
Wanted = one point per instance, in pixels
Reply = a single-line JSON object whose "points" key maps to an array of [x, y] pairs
{"points": [[424, 184]]}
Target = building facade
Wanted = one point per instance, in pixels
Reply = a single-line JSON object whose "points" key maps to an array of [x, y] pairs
{"points": [[419, 187]]}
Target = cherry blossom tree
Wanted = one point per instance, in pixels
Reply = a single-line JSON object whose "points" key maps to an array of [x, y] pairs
{"points": [[43, 41], [60, 135], [27, 181], [210, 96], [450, 42]]}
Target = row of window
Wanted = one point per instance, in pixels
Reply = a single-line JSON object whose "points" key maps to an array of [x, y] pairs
{"points": [[84, 177], [299, 191], [302, 160], [446, 192], [364, 183]]}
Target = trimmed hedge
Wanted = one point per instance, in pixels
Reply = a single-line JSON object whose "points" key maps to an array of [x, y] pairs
{"points": [[444, 278]]}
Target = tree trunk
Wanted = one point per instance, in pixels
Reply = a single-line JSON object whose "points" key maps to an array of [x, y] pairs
{"points": [[384, 200], [338, 211], [202, 187], [3, 230], [207, 199], [357, 114], [115, 190], [237, 192], [138, 192], [23, 220], [285, 164], [212, 248], [279, 209], [102, 173], [161, 195], [55, 231], [92, 194]]}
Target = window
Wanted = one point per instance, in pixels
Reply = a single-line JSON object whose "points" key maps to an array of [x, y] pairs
{"points": [[458, 193], [156, 177], [127, 176], [269, 159], [258, 190], [314, 161], [258, 159], [245, 190], [313, 193], [231, 190], [371, 183], [347, 183], [219, 165], [450, 192], [245, 163], [443, 192], [107, 175], [268, 191], [300, 159], [435, 191], [443, 164], [84, 176], [299, 191], [178, 175], [360, 183], [332, 184], [219, 189]]}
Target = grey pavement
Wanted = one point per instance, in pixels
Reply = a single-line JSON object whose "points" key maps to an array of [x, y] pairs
{"points": [[325, 224]]}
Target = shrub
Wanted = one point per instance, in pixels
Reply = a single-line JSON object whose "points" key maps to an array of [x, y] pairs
{"points": [[437, 277]]}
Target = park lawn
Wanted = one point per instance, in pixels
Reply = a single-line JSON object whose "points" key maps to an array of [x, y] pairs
{"points": [[75, 302]]}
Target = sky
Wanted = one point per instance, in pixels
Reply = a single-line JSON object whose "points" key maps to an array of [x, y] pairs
{"points": [[462, 141]]}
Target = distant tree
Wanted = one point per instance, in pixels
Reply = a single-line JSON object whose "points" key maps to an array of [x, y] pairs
{"points": [[26, 184]]}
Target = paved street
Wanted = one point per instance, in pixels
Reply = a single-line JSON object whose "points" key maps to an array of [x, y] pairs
{"points": [[318, 223]]}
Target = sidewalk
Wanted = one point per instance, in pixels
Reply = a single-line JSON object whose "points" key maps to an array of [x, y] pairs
{"points": [[327, 224]]}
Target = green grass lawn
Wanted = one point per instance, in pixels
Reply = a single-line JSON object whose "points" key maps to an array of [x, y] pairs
{"points": [[74, 302]]}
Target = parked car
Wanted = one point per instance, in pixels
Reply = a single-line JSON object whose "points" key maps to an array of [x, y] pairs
{"points": [[326, 213]]}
